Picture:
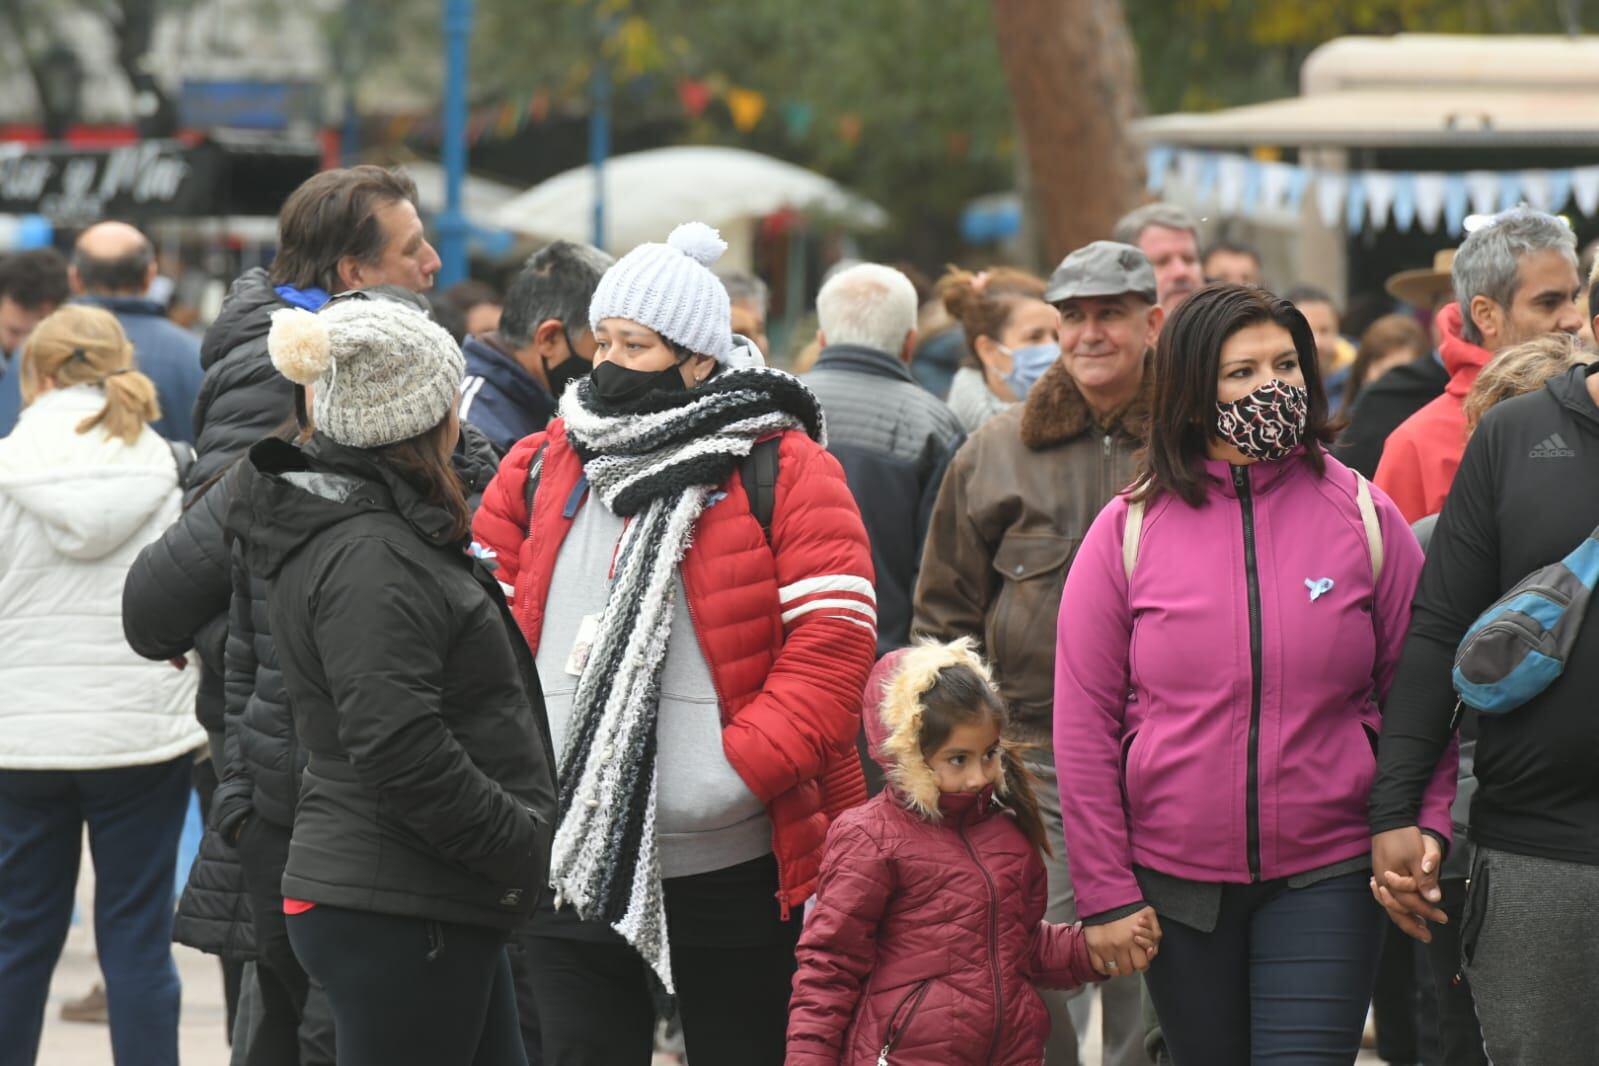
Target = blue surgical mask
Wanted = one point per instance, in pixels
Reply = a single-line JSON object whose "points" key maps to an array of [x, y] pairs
{"points": [[1028, 365]]}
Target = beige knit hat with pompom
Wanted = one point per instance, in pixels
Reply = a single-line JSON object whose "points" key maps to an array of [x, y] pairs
{"points": [[383, 370]]}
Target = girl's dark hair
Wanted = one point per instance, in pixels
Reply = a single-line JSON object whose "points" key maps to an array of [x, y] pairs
{"points": [[1186, 372], [1383, 337], [424, 462], [962, 696]]}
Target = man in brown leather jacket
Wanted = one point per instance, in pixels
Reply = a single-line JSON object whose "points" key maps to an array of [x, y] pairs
{"points": [[1015, 504]]}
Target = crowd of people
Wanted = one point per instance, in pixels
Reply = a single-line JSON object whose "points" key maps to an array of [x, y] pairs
{"points": [[560, 677]]}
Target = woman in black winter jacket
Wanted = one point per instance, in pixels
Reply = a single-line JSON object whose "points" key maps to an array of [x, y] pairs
{"points": [[193, 589], [415, 827]]}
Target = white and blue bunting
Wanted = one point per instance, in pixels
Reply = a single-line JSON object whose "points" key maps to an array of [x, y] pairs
{"points": [[1241, 186]]}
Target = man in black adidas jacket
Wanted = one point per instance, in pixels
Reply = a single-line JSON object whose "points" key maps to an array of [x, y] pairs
{"points": [[1526, 494]]}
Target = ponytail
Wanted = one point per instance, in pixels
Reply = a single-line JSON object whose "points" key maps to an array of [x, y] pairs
{"points": [[1020, 799], [982, 303], [130, 404], [79, 345]]}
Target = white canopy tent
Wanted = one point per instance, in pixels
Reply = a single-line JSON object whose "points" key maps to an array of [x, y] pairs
{"points": [[648, 193], [480, 197]]}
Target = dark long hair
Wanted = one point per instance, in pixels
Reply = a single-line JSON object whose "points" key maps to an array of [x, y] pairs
{"points": [[424, 462], [1186, 368], [961, 696]]}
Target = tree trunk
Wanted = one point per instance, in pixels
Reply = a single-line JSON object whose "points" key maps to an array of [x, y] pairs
{"points": [[1074, 85]]}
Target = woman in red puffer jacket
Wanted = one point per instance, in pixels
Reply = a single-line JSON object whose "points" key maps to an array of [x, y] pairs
{"points": [[928, 933]]}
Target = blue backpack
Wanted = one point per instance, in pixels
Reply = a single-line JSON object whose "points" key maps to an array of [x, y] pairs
{"points": [[1517, 647]]}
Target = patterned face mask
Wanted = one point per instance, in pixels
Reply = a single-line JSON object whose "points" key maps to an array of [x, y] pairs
{"points": [[1268, 423]]}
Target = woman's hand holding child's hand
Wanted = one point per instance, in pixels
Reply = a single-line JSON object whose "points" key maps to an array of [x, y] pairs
{"points": [[1124, 946]]}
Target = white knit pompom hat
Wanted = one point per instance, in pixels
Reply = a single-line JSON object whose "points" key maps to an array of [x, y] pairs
{"points": [[383, 370], [669, 288]]}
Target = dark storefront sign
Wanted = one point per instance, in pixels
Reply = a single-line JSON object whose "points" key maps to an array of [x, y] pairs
{"points": [[72, 185]]}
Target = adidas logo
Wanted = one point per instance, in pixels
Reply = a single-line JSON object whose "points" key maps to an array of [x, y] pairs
{"points": [[1552, 447]]}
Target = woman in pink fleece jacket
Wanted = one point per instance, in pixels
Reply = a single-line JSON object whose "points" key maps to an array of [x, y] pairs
{"points": [[1228, 633]]}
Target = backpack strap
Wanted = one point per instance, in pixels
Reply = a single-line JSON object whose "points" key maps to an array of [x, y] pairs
{"points": [[531, 489], [1368, 518], [758, 472], [183, 459], [1131, 534]]}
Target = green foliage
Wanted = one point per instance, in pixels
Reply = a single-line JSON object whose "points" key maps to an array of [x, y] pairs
{"points": [[921, 78]]}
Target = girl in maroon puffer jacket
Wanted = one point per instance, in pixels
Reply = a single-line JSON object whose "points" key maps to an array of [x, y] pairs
{"points": [[928, 935]]}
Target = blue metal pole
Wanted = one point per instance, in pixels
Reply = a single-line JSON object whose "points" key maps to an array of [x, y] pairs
{"points": [[600, 141], [452, 222]]}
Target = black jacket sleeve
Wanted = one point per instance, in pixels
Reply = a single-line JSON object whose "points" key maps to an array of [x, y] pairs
{"points": [[242, 399], [234, 795], [1460, 581], [388, 697], [179, 583]]}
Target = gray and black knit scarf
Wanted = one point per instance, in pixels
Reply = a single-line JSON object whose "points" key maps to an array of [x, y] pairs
{"points": [[658, 464]]}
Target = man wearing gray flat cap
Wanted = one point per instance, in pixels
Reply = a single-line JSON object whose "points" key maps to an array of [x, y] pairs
{"points": [[1016, 502]]}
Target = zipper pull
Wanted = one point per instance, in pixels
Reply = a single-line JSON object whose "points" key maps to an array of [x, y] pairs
{"points": [[1240, 478], [882, 1056]]}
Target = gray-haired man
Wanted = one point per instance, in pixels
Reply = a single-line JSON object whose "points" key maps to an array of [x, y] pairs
{"points": [[1515, 279], [1168, 237]]}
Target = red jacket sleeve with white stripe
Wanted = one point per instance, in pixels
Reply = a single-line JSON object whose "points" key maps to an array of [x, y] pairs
{"points": [[808, 711]]}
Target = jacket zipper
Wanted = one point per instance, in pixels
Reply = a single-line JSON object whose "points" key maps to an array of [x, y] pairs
{"points": [[993, 942], [1246, 503], [1107, 470], [896, 1029]]}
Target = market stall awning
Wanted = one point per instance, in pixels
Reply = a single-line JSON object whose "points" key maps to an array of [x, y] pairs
{"points": [[648, 193], [1391, 118]]}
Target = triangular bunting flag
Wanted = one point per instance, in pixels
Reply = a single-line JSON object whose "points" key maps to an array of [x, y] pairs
{"points": [[1585, 189], [1330, 188], [1379, 185], [1404, 202], [1483, 185], [1429, 189]]}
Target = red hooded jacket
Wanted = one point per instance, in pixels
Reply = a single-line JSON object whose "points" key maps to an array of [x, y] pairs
{"points": [[928, 935], [783, 625], [1421, 456]]}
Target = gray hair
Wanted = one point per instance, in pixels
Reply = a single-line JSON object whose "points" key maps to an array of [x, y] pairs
{"points": [[1489, 261], [1168, 216], [747, 288], [868, 304], [557, 281]]}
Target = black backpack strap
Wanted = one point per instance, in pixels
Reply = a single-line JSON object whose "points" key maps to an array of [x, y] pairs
{"points": [[183, 459], [758, 472], [531, 489]]}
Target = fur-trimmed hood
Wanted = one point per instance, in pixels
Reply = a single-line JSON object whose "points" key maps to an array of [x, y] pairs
{"points": [[1056, 412], [893, 719]]}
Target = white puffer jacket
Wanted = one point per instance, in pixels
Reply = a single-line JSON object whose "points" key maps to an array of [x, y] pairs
{"points": [[75, 508]]}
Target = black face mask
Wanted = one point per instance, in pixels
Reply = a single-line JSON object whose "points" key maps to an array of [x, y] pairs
{"points": [[620, 386], [574, 367]]}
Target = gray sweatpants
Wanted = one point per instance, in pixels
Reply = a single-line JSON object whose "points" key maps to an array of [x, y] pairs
{"points": [[1532, 956], [1121, 999]]}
